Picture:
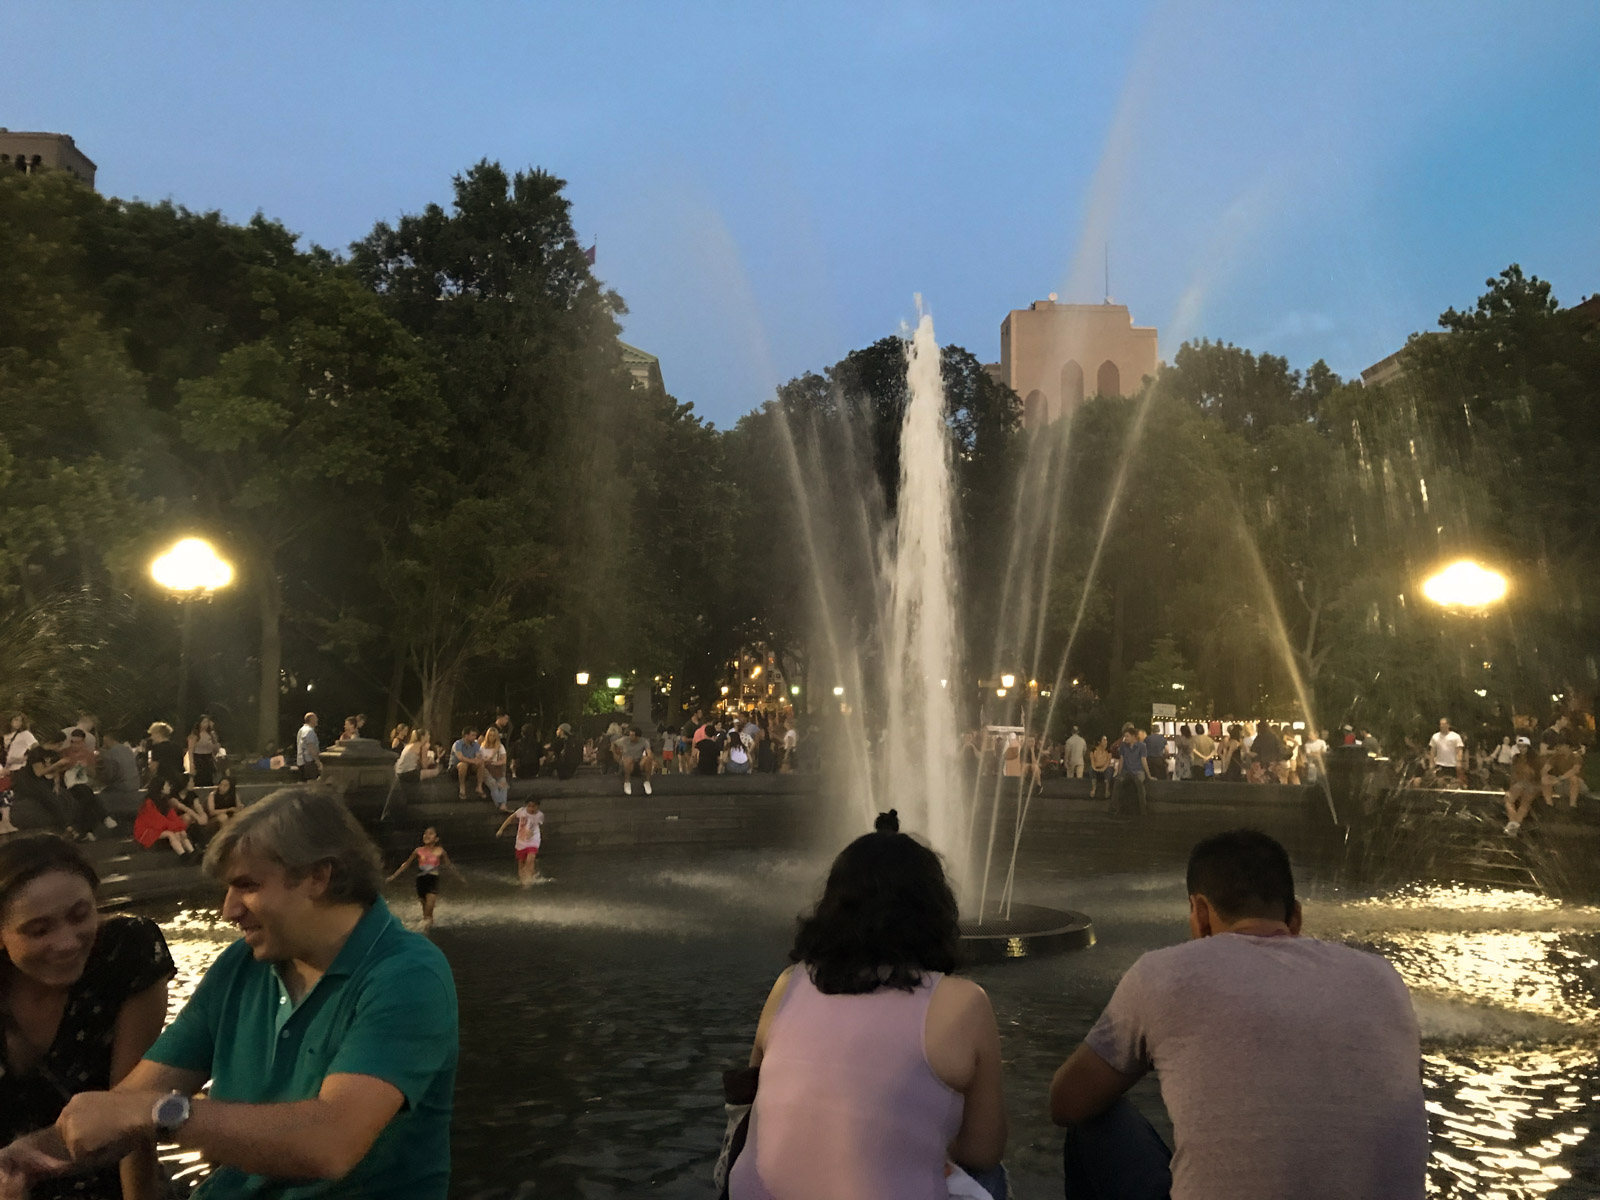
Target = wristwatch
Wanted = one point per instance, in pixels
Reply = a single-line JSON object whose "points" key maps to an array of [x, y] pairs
{"points": [[170, 1113]]}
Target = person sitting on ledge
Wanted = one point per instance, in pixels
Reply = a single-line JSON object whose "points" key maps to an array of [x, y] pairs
{"points": [[1290, 1067], [328, 1034], [633, 754], [878, 1068]]}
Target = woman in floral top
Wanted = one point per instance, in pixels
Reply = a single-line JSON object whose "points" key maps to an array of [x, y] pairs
{"points": [[81, 999]]}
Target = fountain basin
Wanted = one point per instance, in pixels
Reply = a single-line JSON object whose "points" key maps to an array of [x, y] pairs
{"points": [[1030, 930]]}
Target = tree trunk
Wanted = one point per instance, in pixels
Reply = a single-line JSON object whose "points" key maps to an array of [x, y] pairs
{"points": [[1119, 608], [438, 703], [269, 596], [397, 679]]}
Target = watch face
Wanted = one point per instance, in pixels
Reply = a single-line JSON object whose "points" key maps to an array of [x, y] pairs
{"points": [[171, 1110]]}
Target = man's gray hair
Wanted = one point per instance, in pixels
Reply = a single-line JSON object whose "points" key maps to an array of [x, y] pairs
{"points": [[300, 828]]}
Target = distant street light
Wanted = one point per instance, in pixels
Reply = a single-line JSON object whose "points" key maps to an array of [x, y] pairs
{"points": [[1007, 681], [794, 689], [1465, 584], [583, 678], [838, 691], [191, 570], [613, 682], [1001, 692]]}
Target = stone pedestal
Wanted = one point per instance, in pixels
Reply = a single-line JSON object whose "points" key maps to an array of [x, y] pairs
{"points": [[641, 711], [359, 763]]}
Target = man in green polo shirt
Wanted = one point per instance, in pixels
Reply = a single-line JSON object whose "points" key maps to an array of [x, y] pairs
{"points": [[328, 1031]]}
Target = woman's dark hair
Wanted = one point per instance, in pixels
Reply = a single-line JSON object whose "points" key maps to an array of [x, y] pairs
{"points": [[157, 791], [888, 822], [226, 778], [887, 915], [25, 857]]}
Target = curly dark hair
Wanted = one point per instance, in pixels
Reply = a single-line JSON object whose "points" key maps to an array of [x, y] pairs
{"points": [[887, 915]]}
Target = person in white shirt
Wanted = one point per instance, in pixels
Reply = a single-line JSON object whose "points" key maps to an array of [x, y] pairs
{"points": [[19, 740], [1075, 750], [1446, 752], [530, 836], [1315, 750], [306, 749]]}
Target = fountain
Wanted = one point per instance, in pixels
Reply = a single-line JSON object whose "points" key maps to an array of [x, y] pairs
{"points": [[919, 637]]}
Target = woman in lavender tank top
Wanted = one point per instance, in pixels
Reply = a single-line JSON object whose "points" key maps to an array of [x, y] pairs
{"points": [[880, 1071]]}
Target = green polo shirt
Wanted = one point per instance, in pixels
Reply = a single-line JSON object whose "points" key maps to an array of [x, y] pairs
{"points": [[385, 1008]]}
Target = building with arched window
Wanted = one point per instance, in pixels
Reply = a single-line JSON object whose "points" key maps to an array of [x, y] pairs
{"points": [[29, 152], [1053, 355]]}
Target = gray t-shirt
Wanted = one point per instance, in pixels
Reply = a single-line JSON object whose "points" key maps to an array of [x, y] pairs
{"points": [[1290, 1067], [632, 747], [119, 768]]}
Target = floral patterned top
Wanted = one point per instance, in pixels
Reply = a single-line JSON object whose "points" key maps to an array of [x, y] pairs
{"points": [[129, 956]]}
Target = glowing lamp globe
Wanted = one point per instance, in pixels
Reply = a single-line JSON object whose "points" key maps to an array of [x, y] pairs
{"points": [[1465, 584], [192, 566]]}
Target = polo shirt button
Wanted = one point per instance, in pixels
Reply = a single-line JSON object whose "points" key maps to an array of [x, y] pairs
{"points": [[285, 1033]]}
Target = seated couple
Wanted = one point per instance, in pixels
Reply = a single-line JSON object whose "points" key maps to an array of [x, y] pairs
{"points": [[1290, 1067]]}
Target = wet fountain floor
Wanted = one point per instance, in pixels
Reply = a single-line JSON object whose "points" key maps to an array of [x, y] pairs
{"points": [[597, 1014]]}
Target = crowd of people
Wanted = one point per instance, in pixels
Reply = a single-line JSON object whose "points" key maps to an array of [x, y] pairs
{"points": [[1526, 764], [318, 1054], [178, 794], [484, 761]]}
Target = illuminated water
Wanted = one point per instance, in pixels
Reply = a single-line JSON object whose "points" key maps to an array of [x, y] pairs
{"points": [[597, 1013]]}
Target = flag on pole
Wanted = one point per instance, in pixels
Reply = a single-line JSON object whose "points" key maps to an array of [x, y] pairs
{"points": [[588, 255]]}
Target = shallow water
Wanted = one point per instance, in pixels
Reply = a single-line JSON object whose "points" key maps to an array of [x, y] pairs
{"points": [[598, 1012]]}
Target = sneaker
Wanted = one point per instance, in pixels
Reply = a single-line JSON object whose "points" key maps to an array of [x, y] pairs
{"points": [[1513, 828], [627, 788], [110, 824], [647, 787]]}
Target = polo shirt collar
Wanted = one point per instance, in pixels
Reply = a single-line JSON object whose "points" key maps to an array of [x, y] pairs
{"points": [[374, 923]]}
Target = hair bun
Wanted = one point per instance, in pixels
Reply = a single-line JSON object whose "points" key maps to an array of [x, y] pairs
{"points": [[887, 822]]}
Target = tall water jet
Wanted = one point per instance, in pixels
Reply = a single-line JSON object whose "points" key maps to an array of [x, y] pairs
{"points": [[921, 636]]}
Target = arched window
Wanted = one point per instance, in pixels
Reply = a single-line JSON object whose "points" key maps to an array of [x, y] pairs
{"points": [[1071, 385], [1108, 382], [1033, 413]]}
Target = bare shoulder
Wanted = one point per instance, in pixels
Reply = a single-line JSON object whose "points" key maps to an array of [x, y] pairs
{"points": [[957, 999]]}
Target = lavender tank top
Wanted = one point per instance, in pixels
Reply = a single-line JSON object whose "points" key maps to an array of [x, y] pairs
{"points": [[848, 1107]]}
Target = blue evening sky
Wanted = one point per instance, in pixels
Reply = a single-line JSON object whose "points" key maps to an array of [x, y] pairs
{"points": [[771, 184]]}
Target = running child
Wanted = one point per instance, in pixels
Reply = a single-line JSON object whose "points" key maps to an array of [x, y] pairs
{"points": [[529, 822], [429, 857]]}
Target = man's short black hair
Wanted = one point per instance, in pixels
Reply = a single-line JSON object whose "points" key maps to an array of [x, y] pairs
{"points": [[1243, 873]]}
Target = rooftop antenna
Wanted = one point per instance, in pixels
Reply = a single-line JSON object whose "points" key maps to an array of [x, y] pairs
{"points": [[1108, 272]]}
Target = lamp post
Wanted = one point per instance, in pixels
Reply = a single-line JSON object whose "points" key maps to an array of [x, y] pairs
{"points": [[190, 570], [1466, 585]]}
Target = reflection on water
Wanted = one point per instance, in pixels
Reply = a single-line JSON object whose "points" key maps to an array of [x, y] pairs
{"points": [[630, 985], [1507, 1123]]}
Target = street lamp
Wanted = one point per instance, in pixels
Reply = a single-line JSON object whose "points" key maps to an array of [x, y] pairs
{"points": [[583, 678], [1008, 681], [838, 691], [1465, 584], [613, 682], [191, 570]]}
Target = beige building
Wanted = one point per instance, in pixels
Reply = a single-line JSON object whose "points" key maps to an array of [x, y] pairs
{"points": [[44, 151], [643, 366], [1053, 355]]}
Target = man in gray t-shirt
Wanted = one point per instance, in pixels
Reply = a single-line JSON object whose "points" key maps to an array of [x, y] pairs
{"points": [[633, 755], [1290, 1067]]}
